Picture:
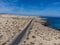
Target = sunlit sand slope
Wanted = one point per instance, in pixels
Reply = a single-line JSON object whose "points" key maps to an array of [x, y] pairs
{"points": [[41, 35], [37, 34], [11, 26]]}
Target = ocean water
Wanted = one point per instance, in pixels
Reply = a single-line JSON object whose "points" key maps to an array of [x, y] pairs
{"points": [[53, 22]]}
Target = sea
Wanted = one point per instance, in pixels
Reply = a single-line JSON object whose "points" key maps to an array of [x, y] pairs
{"points": [[53, 22]]}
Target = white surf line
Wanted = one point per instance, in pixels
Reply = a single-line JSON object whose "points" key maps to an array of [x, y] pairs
{"points": [[18, 39]]}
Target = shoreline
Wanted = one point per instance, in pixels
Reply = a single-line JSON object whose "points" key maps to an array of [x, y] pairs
{"points": [[12, 25]]}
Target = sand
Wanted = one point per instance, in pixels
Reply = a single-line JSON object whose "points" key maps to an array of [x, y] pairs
{"points": [[37, 33], [10, 27]]}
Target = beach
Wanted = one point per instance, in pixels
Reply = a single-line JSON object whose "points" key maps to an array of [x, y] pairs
{"points": [[36, 33]]}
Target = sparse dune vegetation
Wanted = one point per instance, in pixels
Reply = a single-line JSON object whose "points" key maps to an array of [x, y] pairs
{"points": [[37, 33], [10, 26]]}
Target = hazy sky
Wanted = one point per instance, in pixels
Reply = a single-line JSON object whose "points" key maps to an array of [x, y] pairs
{"points": [[31, 7]]}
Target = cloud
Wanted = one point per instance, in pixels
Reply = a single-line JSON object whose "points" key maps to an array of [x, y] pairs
{"points": [[6, 8], [44, 8]]}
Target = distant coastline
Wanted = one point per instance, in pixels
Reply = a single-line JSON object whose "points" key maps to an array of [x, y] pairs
{"points": [[52, 22]]}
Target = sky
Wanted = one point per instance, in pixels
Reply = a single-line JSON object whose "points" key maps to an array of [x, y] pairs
{"points": [[31, 7]]}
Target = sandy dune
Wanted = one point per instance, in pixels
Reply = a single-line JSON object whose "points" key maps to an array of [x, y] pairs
{"points": [[37, 34], [41, 35], [10, 26]]}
